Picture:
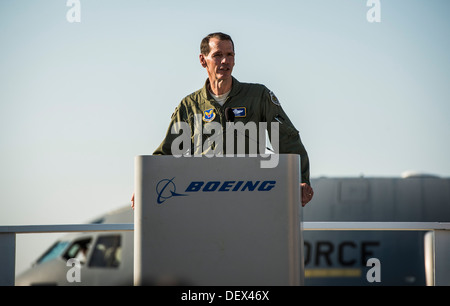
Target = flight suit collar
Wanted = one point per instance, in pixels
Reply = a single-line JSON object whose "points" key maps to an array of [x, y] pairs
{"points": [[235, 88]]}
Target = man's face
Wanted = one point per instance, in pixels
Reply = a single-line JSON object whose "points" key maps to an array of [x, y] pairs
{"points": [[220, 61]]}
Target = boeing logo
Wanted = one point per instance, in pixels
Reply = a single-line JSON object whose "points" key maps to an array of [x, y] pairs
{"points": [[165, 189]]}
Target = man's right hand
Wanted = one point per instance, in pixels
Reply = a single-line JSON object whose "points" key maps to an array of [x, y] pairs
{"points": [[132, 201]]}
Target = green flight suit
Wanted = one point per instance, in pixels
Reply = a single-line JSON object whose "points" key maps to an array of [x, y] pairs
{"points": [[251, 103]]}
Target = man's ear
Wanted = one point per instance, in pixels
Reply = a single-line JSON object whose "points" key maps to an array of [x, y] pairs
{"points": [[203, 61]]}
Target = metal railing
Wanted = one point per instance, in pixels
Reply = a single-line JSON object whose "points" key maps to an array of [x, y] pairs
{"points": [[376, 226], [438, 265], [8, 241]]}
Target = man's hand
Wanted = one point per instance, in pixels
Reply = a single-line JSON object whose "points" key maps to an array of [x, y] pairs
{"points": [[307, 193], [132, 201]]}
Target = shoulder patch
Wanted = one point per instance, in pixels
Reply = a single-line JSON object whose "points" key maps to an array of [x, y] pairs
{"points": [[274, 99]]}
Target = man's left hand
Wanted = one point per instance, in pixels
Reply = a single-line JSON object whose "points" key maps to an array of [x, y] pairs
{"points": [[307, 193]]}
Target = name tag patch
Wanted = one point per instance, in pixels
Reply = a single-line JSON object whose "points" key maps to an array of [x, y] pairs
{"points": [[239, 112]]}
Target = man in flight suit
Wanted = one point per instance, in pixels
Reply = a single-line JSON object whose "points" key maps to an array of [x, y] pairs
{"points": [[249, 103]]}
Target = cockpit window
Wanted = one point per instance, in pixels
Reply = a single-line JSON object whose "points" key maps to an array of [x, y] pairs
{"points": [[53, 252], [107, 252], [78, 250]]}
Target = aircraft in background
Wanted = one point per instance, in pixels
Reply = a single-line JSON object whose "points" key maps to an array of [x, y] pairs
{"points": [[330, 257]]}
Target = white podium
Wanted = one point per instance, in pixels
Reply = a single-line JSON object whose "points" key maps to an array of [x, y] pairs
{"points": [[217, 221]]}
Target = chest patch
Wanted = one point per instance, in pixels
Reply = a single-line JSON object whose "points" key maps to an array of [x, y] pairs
{"points": [[209, 115]]}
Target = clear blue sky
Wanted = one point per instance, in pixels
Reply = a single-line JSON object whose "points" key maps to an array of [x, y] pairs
{"points": [[79, 101]]}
